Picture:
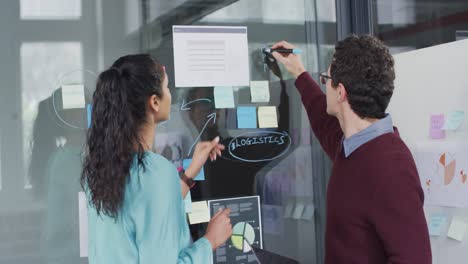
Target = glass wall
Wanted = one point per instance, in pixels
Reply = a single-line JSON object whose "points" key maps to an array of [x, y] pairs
{"points": [[407, 25], [51, 54]]}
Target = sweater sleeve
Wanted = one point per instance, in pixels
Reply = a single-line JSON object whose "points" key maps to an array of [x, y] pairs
{"points": [[326, 128], [398, 217]]}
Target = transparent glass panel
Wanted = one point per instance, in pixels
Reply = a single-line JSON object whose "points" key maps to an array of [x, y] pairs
{"points": [[285, 184], [50, 9], [48, 72], [407, 25]]}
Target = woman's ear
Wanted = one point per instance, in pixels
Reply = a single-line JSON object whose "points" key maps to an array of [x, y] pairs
{"points": [[154, 103]]}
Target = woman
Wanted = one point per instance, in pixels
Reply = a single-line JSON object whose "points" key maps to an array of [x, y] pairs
{"points": [[136, 211]]}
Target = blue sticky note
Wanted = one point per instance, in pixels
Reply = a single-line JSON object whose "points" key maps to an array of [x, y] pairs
{"points": [[188, 203], [436, 224], [201, 174], [89, 109], [247, 117], [224, 97], [453, 120]]}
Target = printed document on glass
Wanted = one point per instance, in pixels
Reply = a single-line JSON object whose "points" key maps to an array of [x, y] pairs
{"points": [[210, 56]]}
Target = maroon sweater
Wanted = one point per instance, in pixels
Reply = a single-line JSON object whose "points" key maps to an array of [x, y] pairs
{"points": [[374, 198]]}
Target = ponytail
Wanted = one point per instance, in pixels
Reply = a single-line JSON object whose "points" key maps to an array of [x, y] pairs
{"points": [[118, 112]]}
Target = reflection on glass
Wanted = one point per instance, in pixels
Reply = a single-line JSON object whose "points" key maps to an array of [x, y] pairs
{"points": [[50, 9], [43, 65], [406, 25]]}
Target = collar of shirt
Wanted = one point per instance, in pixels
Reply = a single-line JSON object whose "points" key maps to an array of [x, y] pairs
{"points": [[382, 126]]}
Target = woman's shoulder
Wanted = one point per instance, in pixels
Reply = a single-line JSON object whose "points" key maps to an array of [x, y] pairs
{"points": [[155, 168]]}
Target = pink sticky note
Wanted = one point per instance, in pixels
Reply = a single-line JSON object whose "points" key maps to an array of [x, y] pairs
{"points": [[436, 131]]}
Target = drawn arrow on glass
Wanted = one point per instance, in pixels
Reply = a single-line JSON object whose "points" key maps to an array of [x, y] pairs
{"points": [[185, 105], [211, 116]]}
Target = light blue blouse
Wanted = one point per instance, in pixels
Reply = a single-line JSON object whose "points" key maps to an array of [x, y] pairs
{"points": [[151, 226]]}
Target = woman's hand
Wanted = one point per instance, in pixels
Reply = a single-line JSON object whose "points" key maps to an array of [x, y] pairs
{"points": [[219, 229], [203, 150], [291, 61]]}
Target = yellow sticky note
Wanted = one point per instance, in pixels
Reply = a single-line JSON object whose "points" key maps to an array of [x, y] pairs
{"points": [[259, 91], [267, 117], [457, 229], [200, 213], [73, 96]]}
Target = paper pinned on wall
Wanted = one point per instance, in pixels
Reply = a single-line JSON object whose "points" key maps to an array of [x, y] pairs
{"points": [[224, 97], [247, 117], [298, 210], [210, 56], [435, 130], [200, 176], [73, 96], [267, 117], [436, 224], [188, 202], [259, 91], [457, 229], [200, 213], [308, 212], [453, 120], [288, 211], [443, 170], [83, 223]]}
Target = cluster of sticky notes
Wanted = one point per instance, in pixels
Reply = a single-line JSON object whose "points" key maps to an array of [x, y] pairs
{"points": [[457, 229], [200, 213], [200, 176], [247, 117], [299, 211], [224, 97], [73, 96], [440, 122], [259, 91]]}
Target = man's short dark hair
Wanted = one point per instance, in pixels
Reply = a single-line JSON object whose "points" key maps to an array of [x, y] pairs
{"points": [[364, 65]]}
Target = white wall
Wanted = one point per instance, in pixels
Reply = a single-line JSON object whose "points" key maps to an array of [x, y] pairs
{"points": [[431, 81]]}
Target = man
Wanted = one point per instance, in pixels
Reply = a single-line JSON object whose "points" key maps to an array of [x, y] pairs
{"points": [[374, 198]]}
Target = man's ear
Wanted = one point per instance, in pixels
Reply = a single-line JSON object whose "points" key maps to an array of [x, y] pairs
{"points": [[342, 94]]}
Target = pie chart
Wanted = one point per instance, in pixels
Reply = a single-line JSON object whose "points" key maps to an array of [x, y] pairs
{"points": [[243, 235]]}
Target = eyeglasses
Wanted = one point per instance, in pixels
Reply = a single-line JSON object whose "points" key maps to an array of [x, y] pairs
{"points": [[324, 78]]}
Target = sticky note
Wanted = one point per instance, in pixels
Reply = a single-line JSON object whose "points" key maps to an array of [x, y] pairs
{"points": [[267, 117], [453, 120], [73, 96], [188, 202], [288, 210], [224, 97], [83, 223], [436, 224], [298, 210], [308, 212], [89, 110], [259, 91], [247, 117], [435, 130], [200, 213], [457, 229], [200, 176]]}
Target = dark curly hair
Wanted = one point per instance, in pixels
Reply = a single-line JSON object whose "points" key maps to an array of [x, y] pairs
{"points": [[118, 112], [364, 65]]}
